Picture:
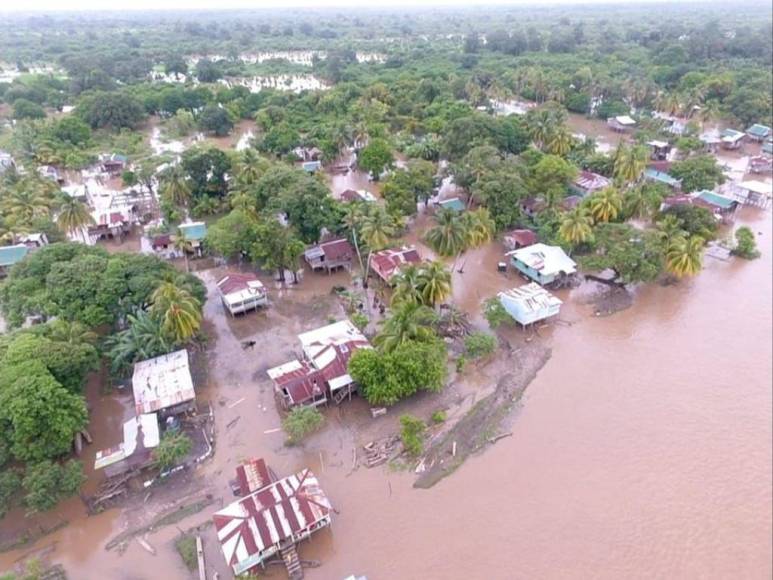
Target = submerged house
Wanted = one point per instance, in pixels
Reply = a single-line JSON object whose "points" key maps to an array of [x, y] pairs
{"points": [[271, 520], [322, 372], [657, 176], [452, 203], [752, 192], [542, 263], [588, 183], [519, 238], [140, 437], [251, 476], [721, 206], [330, 255], [387, 263], [758, 132], [113, 163], [732, 139], [621, 123], [241, 293], [659, 150], [353, 195], [194, 233], [164, 385], [761, 164], [530, 303]]}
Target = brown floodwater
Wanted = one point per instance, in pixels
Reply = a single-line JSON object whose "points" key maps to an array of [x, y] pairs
{"points": [[641, 450]]}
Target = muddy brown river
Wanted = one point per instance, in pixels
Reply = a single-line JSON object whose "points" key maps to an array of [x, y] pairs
{"points": [[641, 450]]}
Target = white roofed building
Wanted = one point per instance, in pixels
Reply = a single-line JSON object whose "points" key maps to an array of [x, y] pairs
{"points": [[163, 384], [530, 303], [241, 293], [542, 263]]}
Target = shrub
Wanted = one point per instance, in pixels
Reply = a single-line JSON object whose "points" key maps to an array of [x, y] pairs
{"points": [[172, 448], [480, 344], [46, 483], [359, 320], [745, 244], [9, 485], [495, 313], [412, 434], [302, 421], [439, 416]]}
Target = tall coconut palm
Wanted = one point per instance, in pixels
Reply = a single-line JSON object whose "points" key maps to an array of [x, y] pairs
{"points": [[407, 286], [541, 126], [73, 216], [669, 227], [376, 228], [250, 167], [352, 217], [605, 205], [435, 283], [449, 236], [407, 322], [630, 163], [684, 256], [576, 226], [144, 338], [178, 311], [641, 202], [27, 200], [479, 227], [293, 250], [175, 187], [709, 112], [182, 245], [560, 142]]}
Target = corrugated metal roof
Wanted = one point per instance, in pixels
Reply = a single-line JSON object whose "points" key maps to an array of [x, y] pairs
{"points": [[386, 263], [530, 303], [195, 231], [162, 382], [252, 475], [251, 529], [9, 255], [590, 181], [547, 260]]}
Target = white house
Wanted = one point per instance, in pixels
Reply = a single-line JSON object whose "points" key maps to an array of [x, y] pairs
{"points": [[542, 263], [530, 303], [163, 384], [241, 293]]}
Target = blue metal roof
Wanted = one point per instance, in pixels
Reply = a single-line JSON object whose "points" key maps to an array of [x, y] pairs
{"points": [[9, 255], [454, 204], [662, 177], [716, 199], [759, 130], [195, 231]]}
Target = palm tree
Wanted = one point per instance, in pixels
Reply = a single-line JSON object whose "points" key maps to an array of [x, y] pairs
{"points": [[175, 187], [250, 167], [709, 112], [449, 236], [669, 227], [178, 311], [27, 200], [61, 330], [407, 322], [684, 256], [435, 282], [478, 226], [605, 205], [73, 216], [293, 251], [560, 142], [630, 163], [541, 127], [641, 202], [182, 244], [407, 286], [354, 213], [376, 228], [576, 226], [144, 338]]}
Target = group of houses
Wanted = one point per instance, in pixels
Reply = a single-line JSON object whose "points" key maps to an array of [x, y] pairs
{"points": [[162, 389]]}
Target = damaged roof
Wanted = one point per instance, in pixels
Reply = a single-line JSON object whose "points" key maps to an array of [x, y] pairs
{"points": [[162, 382]]}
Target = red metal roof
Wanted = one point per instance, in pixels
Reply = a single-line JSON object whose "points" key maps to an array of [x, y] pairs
{"points": [[387, 262], [162, 240], [335, 250], [234, 282], [590, 182], [522, 237], [350, 195], [302, 384], [116, 218], [662, 166], [251, 529], [252, 475]]}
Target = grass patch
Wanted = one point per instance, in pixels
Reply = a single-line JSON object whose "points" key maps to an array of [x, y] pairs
{"points": [[186, 547]]}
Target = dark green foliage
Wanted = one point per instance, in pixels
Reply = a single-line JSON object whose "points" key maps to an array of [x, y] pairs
{"points": [[110, 110], [698, 173], [404, 188], [301, 422], [207, 168], [634, 255], [375, 158], [215, 120], [495, 313], [10, 483], [386, 378], [85, 283], [47, 483], [694, 220], [412, 434], [24, 109], [232, 235]]}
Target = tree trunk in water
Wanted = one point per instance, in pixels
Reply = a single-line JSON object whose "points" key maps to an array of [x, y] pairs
{"points": [[614, 283], [357, 248]]}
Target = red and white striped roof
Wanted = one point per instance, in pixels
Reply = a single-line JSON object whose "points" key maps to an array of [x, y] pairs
{"points": [[251, 529]]}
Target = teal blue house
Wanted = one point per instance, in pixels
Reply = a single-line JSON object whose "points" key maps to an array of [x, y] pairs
{"points": [[10, 255]]}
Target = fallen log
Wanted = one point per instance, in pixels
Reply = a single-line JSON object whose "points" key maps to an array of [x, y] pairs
{"points": [[144, 543], [500, 436]]}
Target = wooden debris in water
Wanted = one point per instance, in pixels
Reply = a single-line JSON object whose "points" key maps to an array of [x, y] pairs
{"points": [[380, 451], [144, 543], [200, 556], [377, 411], [496, 438]]}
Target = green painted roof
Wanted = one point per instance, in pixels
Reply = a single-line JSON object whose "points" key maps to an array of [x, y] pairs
{"points": [[195, 231], [9, 255], [454, 204], [759, 130], [661, 177], [716, 199], [731, 133]]}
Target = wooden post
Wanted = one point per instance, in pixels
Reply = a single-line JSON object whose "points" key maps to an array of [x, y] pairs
{"points": [[200, 554]]}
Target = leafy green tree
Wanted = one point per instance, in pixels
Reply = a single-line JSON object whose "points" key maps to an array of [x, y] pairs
{"points": [[25, 109], [550, 178], [412, 434], [745, 244], [47, 483], [693, 220], [301, 422], [376, 157], [110, 110], [71, 130], [172, 449], [495, 314], [207, 167], [633, 255], [405, 188], [233, 234], [39, 416], [10, 483], [215, 120], [698, 173], [388, 377], [644, 200]]}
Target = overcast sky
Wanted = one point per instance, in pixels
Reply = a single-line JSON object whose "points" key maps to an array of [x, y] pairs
{"points": [[60, 5]]}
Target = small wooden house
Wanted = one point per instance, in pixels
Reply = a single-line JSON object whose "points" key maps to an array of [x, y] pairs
{"points": [[240, 292], [10, 255], [621, 123], [330, 255], [659, 150], [587, 183], [515, 239], [732, 139], [530, 303], [758, 132]]}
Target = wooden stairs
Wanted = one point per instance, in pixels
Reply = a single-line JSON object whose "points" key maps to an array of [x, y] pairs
{"points": [[292, 562]]}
